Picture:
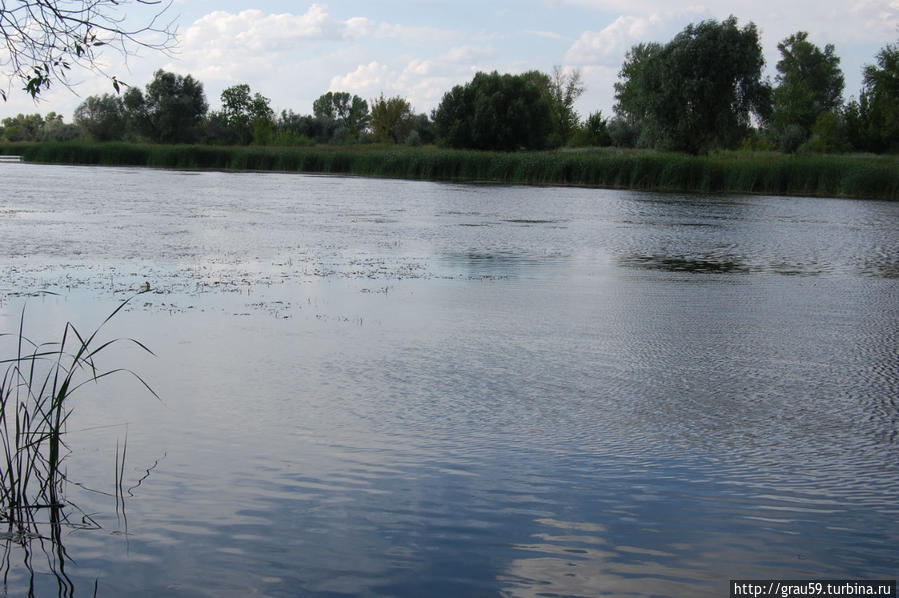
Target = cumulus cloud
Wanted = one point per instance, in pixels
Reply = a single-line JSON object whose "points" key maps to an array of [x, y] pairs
{"points": [[545, 34], [879, 18], [846, 20], [469, 54], [411, 34], [609, 45], [422, 81], [254, 31], [365, 79]]}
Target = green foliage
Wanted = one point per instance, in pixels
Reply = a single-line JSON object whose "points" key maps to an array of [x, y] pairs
{"points": [[23, 127], [34, 127], [633, 83], [56, 130], [623, 133], [594, 132], [289, 138], [757, 140], [496, 112], [350, 111], [828, 134], [696, 93], [248, 116], [102, 118], [791, 138], [171, 111], [392, 119], [424, 129], [561, 89], [318, 129], [722, 172], [810, 83], [880, 101]]}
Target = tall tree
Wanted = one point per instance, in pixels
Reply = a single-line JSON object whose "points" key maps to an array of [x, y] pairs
{"points": [[392, 119], [809, 83], [496, 112], [350, 111], [698, 91], [566, 88], [43, 39], [103, 117], [248, 115], [880, 100], [630, 90], [562, 89], [170, 111], [56, 130]]}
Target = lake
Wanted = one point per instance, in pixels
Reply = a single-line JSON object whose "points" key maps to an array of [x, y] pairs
{"points": [[373, 387]]}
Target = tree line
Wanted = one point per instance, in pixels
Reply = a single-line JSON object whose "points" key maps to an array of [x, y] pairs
{"points": [[701, 91]]}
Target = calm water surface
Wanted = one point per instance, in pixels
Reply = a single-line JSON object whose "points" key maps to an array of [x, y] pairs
{"points": [[377, 387]]}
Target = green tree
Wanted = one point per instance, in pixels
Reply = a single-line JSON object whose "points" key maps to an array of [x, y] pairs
{"points": [[631, 89], [422, 132], [102, 118], [828, 134], [562, 89], [496, 112], [23, 127], [350, 111], [55, 129], [879, 106], [565, 89], [171, 110], [594, 132], [697, 92], [248, 115], [392, 119], [809, 83]]}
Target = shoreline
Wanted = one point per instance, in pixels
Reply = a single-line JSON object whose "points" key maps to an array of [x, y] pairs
{"points": [[755, 173]]}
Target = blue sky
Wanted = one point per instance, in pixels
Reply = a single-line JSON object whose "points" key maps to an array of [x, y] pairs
{"points": [[292, 52]]}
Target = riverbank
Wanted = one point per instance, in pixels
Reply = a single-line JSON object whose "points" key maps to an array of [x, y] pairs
{"points": [[857, 176]]}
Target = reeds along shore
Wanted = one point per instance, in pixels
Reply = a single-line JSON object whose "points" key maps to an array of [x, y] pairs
{"points": [[860, 176]]}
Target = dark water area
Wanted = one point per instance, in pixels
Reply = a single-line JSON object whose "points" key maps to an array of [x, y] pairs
{"points": [[394, 388]]}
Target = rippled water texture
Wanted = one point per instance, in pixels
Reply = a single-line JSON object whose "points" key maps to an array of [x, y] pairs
{"points": [[377, 387]]}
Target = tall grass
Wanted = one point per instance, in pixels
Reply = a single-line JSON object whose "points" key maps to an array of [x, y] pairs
{"points": [[35, 393], [862, 176]]}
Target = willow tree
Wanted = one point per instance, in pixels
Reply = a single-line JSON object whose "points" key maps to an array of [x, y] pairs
{"points": [[496, 112], [43, 40], [697, 92]]}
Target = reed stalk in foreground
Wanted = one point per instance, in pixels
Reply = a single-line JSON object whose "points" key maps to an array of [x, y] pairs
{"points": [[34, 396]]}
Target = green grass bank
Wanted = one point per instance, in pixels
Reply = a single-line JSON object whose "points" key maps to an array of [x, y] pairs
{"points": [[858, 176]]}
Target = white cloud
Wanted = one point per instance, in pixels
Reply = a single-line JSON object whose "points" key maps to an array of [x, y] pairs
{"points": [[878, 18], [366, 80], [609, 45], [545, 34], [845, 20], [252, 30], [469, 54], [409, 34]]}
